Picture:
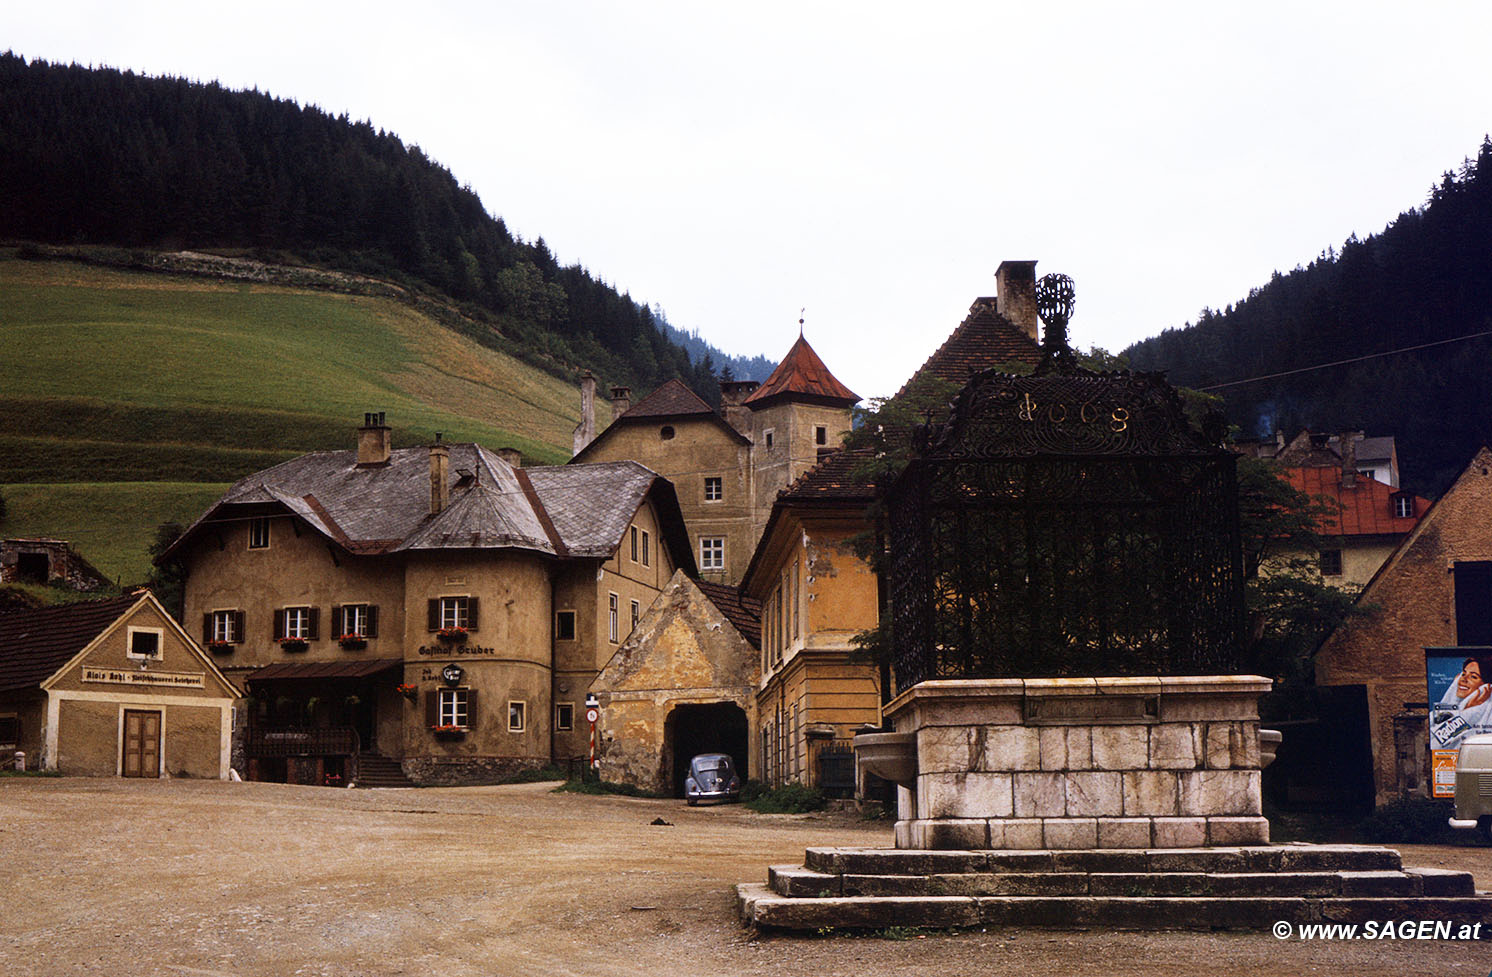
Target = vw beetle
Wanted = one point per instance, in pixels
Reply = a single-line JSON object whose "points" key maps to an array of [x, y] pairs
{"points": [[712, 778]]}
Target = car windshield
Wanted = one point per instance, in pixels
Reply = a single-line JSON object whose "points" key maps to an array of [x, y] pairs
{"points": [[706, 763]]}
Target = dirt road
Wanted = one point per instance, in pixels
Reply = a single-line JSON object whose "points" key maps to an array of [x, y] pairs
{"points": [[114, 877]]}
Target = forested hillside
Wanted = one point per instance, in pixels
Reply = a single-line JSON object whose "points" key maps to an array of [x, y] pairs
{"points": [[1380, 303], [99, 156]]}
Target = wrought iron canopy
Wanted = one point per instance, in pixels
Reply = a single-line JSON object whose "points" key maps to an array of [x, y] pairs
{"points": [[1071, 522]]}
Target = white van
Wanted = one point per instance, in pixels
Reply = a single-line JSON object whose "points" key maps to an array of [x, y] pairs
{"points": [[1474, 785]]}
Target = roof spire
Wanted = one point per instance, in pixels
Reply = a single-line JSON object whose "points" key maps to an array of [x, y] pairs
{"points": [[800, 321]]}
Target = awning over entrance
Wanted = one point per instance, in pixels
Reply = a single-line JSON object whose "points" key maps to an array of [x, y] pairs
{"points": [[300, 671]]}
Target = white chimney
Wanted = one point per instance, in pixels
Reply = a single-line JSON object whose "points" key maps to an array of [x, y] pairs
{"points": [[585, 431]]}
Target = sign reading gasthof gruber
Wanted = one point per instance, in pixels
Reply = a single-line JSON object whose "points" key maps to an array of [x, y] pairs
{"points": [[1459, 681]]}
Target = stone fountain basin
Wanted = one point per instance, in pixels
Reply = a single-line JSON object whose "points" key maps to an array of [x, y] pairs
{"points": [[890, 756], [1269, 742]]}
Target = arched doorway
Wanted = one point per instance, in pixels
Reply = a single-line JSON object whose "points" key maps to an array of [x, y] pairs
{"points": [[719, 727]]}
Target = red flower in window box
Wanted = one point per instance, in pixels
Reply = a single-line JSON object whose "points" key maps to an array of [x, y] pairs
{"points": [[352, 642], [294, 644], [406, 690], [448, 732], [220, 647], [452, 635]]}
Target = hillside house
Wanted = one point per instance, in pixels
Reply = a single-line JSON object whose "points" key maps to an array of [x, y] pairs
{"points": [[111, 688], [435, 608]]}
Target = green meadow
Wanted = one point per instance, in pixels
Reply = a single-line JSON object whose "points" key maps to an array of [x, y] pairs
{"points": [[129, 399]]}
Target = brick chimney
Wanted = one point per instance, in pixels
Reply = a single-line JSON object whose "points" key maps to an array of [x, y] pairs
{"points": [[585, 431], [373, 441], [1015, 295], [733, 394], [512, 456], [621, 399], [440, 485]]}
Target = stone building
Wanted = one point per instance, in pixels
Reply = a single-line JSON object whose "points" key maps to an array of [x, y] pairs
{"points": [[1435, 591], [433, 612], [111, 688]]}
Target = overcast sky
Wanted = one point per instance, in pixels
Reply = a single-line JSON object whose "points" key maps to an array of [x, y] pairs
{"points": [[872, 163]]}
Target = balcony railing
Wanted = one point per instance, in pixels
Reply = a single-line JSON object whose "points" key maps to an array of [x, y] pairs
{"points": [[284, 741]]}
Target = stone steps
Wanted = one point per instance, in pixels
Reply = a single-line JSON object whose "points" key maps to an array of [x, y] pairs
{"points": [[1213, 888], [376, 770]]}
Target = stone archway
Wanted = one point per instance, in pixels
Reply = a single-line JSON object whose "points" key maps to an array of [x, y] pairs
{"points": [[691, 729]]}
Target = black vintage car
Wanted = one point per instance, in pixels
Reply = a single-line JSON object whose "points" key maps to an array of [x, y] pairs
{"points": [[712, 778]]}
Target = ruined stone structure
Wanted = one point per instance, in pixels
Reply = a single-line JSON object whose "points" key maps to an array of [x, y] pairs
{"points": [[47, 561]]}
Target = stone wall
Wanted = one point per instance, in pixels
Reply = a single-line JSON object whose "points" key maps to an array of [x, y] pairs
{"points": [[1082, 763]]}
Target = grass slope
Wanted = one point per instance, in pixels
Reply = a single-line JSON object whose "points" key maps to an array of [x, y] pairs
{"points": [[111, 523], [128, 399]]}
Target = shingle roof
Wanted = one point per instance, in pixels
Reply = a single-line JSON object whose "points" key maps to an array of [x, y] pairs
{"points": [[744, 613], [835, 477], [1366, 508], [569, 510], [592, 505], [35, 643], [673, 399], [983, 340], [802, 375]]}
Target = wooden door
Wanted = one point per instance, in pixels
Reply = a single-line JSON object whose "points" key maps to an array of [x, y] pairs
{"points": [[142, 743]]}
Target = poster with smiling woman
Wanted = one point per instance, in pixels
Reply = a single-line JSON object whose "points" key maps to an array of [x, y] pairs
{"points": [[1459, 682]]}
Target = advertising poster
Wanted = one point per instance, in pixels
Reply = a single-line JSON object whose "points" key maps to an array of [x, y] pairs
{"points": [[1459, 682]]}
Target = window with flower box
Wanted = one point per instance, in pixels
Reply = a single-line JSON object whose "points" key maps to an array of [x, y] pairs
{"points": [[223, 627], [295, 626], [355, 620], [452, 613], [451, 710]]}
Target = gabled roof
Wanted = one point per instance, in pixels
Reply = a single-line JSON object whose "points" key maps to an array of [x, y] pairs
{"points": [[673, 399], [35, 643], [1366, 509], [571, 510], [802, 376], [744, 613], [983, 340]]}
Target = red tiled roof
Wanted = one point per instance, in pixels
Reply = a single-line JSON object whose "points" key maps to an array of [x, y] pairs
{"points": [[670, 400], [802, 374], [1366, 508], [983, 340], [35, 643], [744, 613]]}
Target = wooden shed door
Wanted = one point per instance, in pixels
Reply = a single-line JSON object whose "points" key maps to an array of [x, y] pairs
{"points": [[142, 744]]}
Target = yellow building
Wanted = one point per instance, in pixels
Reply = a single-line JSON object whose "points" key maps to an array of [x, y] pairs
{"points": [[728, 466], [429, 613]]}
